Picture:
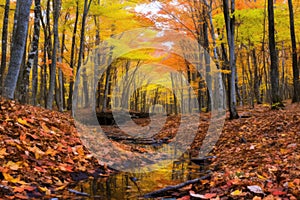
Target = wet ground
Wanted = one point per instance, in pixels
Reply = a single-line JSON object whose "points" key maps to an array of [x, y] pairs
{"points": [[128, 186]]}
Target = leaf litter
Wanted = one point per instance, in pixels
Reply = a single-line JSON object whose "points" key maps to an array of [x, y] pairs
{"points": [[257, 157]]}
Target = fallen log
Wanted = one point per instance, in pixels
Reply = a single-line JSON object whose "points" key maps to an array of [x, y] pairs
{"points": [[108, 118], [160, 192], [135, 140]]}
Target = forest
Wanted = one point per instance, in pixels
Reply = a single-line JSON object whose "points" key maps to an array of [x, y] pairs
{"points": [[164, 99]]}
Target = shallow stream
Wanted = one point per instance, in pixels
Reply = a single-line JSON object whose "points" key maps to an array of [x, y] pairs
{"points": [[129, 186]]}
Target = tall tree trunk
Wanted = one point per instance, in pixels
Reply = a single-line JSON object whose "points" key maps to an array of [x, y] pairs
{"points": [[16, 16], [59, 89], [106, 85], [47, 54], [263, 50], [32, 54], [17, 50], [50, 97], [296, 81], [243, 78], [208, 77], [257, 78], [62, 82], [189, 109], [229, 22], [219, 82], [87, 4], [35, 81], [174, 95], [4, 42], [283, 88], [72, 59], [59, 85], [275, 97], [226, 66], [43, 73], [251, 82]]}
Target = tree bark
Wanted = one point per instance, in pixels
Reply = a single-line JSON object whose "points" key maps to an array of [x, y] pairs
{"points": [[16, 16], [174, 95], [32, 54], [296, 83], [43, 72], [4, 42], [229, 22], [59, 85], [257, 78], [62, 82], [17, 49], [87, 4], [72, 62], [275, 97], [50, 97]]}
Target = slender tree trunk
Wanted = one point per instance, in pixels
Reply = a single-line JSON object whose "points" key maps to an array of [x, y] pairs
{"points": [[35, 81], [32, 54], [47, 54], [296, 81], [16, 16], [257, 78], [60, 89], [207, 67], [219, 81], [85, 88], [62, 82], [263, 50], [174, 96], [43, 73], [87, 4], [189, 109], [50, 97], [275, 97], [250, 80], [107, 83], [72, 59], [4, 42], [59, 85], [283, 88], [226, 66], [17, 50], [243, 78], [229, 21]]}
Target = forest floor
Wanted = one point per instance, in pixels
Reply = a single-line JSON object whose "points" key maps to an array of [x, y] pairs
{"points": [[257, 157]]}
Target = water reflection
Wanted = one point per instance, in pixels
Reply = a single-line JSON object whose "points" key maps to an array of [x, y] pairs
{"points": [[128, 186]]}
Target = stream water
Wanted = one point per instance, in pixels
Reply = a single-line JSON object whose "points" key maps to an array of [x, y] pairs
{"points": [[129, 186]]}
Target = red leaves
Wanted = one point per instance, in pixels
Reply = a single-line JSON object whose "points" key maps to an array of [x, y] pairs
{"points": [[42, 147], [65, 167], [277, 191], [37, 150], [269, 158]]}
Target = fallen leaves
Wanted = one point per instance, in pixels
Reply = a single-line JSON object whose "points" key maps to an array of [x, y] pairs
{"points": [[13, 166], [266, 165], [236, 193], [35, 156], [255, 189], [256, 158], [202, 196], [11, 179]]}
